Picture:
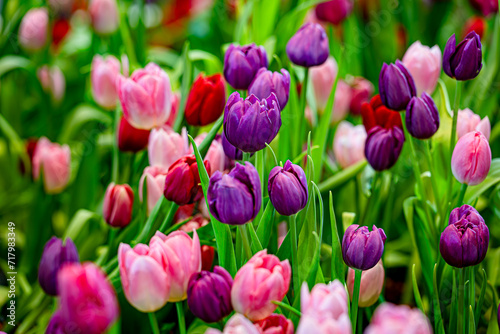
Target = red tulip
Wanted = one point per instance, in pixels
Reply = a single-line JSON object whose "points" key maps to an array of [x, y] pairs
{"points": [[131, 139], [206, 100], [117, 206]]}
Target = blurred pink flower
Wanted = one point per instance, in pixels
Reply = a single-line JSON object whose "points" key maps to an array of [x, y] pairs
{"points": [[238, 324], [275, 324], [349, 144], [468, 122], [322, 80], [166, 146], [398, 319], [471, 159], [52, 81], [424, 64], [215, 155], [155, 183], [103, 74], [104, 14], [34, 29], [372, 282], [54, 162]]}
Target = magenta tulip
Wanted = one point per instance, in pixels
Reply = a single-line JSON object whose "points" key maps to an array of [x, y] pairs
{"points": [[471, 159], [117, 206]]}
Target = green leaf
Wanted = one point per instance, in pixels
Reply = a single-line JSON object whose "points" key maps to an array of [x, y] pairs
{"points": [[205, 144], [10, 63], [342, 177], [338, 266], [81, 115], [264, 229], [264, 18], [480, 301], [491, 180], [438, 321], [185, 86], [416, 292], [212, 63], [256, 245]]}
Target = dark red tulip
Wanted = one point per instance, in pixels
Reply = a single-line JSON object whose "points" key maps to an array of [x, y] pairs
{"points": [[131, 139], [206, 100]]}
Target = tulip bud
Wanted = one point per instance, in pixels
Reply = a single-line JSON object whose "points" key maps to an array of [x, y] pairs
{"points": [[390, 318], [131, 139], [54, 162], [471, 159], [231, 151], [487, 7], [145, 276], [322, 80], [251, 123], [87, 301], [463, 61], [235, 198], [372, 282], [349, 144], [309, 46], [237, 324], [267, 275], [287, 187], [145, 96], [468, 121], [155, 184], [166, 146], [362, 249], [54, 256], [206, 100], [361, 91], [184, 257], [52, 81], [241, 63], [103, 74], [383, 147], [334, 11], [209, 294], [117, 206], [424, 65], [422, 117], [104, 15], [267, 82], [275, 324], [182, 184], [464, 242], [396, 86], [34, 29], [207, 252], [215, 154]]}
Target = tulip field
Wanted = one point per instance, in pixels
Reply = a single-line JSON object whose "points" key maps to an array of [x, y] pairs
{"points": [[250, 166]]}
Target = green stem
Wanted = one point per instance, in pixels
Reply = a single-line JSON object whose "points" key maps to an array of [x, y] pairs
{"points": [[303, 104], [461, 315], [287, 307], [355, 299], [472, 286], [169, 217], [455, 116], [461, 196], [244, 238], [295, 263], [435, 188], [154, 323], [116, 157], [246, 156], [180, 317]]}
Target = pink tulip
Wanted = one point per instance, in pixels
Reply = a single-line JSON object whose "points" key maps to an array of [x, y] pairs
{"points": [[104, 15], [54, 162], [145, 97], [349, 144], [343, 95], [398, 319], [34, 29], [282, 232], [424, 64], [166, 146], [261, 280], [468, 122], [155, 178], [215, 155], [103, 75], [144, 274], [183, 255], [309, 324], [117, 206], [275, 324], [207, 252], [52, 81], [176, 100], [87, 301], [238, 324], [372, 282], [322, 80], [471, 159]]}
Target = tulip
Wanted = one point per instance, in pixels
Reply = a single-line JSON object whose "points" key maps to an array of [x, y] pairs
{"points": [[206, 100], [131, 139], [104, 15], [235, 198], [209, 294], [322, 80], [275, 324], [375, 113], [487, 7], [287, 187], [267, 82], [361, 91], [145, 96], [103, 74], [184, 258], [251, 123], [117, 206], [207, 252], [261, 280], [166, 146], [471, 159], [241, 63], [52, 81], [34, 29], [464, 242], [343, 95], [476, 24], [422, 117], [398, 319], [334, 11], [87, 300], [54, 162], [349, 144], [176, 100], [215, 154], [396, 86], [155, 184], [56, 325], [372, 282], [463, 61], [237, 324], [54, 256], [182, 184], [468, 122], [424, 65], [310, 324], [309, 46], [362, 249], [231, 151]]}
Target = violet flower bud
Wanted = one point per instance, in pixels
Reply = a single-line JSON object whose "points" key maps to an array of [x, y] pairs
{"points": [[463, 61], [309, 46], [396, 86], [422, 117], [334, 11], [267, 82], [287, 188], [231, 151], [362, 249], [241, 63], [383, 147]]}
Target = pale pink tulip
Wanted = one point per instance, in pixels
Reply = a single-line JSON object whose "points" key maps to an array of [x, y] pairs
{"points": [[282, 231], [468, 121], [238, 324], [103, 75], [155, 183], [52, 81], [215, 154], [117, 206], [343, 95], [424, 64], [471, 159], [398, 319], [372, 282], [104, 15], [349, 144], [322, 80], [54, 162], [34, 29], [309, 324], [145, 97], [166, 146]]}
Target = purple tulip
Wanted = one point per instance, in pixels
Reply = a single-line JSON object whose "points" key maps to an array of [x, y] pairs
{"points": [[54, 256], [209, 294], [383, 147], [362, 249], [235, 198], [287, 188], [241, 63], [267, 82], [309, 46], [230, 150], [463, 61], [396, 86], [251, 123], [464, 242], [422, 117], [487, 7]]}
